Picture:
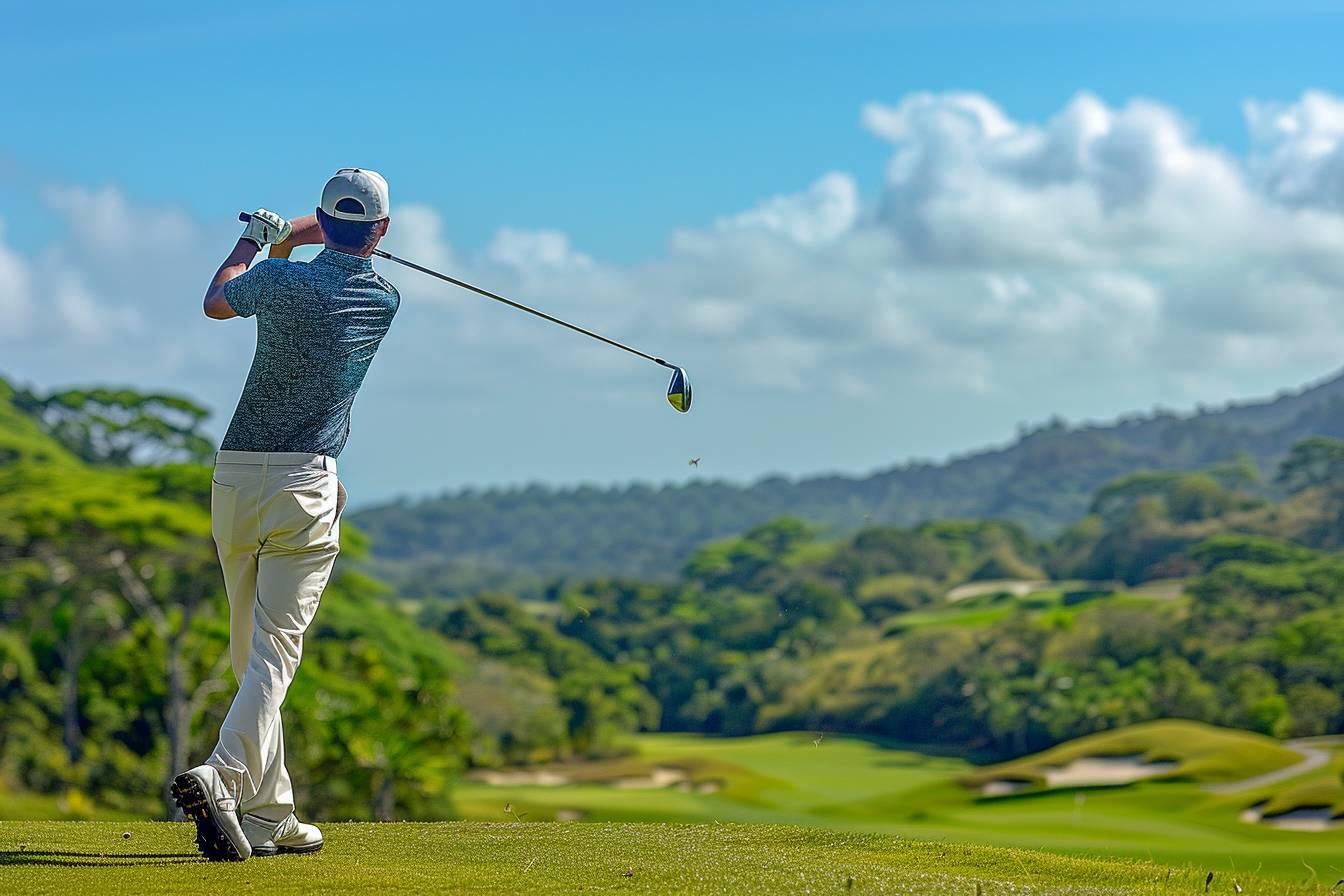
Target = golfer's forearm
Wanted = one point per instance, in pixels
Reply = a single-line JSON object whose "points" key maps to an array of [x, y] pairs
{"points": [[235, 265], [306, 231]]}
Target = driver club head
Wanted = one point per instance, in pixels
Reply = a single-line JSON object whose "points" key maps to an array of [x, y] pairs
{"points": [[679, 391]]}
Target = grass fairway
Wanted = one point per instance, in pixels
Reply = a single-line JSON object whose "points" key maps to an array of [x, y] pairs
{"points": [[1199, 753], [465, 857], [853, 785]]}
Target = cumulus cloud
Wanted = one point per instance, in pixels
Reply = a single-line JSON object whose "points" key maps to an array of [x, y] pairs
{"points": [[85, 316], [818, 215], [104, 220], [115, 298], [44, 301], [531, 249], [1001, 252], [15, 294], [1106, 255], [1299, 150]]}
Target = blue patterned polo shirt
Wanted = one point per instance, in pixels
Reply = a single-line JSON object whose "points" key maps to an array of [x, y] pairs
{"points": [[319, 324]]}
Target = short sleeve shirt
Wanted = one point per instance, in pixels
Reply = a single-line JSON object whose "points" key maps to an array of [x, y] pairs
{"points": [[319, 324]]}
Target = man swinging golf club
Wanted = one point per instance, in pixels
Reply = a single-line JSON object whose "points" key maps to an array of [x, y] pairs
{"points": [[275, 501]]}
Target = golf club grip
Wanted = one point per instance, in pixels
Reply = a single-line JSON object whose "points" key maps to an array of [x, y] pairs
{"points": [[276, 250]]}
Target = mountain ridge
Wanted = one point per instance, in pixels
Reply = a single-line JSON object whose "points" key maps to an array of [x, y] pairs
{"points": [[519, 537]]}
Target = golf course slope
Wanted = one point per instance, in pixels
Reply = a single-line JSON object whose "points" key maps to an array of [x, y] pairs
{"points": [[1172, 748], [542, 858]]}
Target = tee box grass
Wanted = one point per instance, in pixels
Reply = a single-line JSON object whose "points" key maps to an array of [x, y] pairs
{"points": [[852, 784], [156, 859]]}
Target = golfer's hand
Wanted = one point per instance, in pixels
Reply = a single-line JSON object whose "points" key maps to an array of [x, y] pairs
{"points": [[265, 228]]}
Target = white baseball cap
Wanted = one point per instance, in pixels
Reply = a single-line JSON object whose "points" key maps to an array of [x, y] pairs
{"points": [[356, 194]]}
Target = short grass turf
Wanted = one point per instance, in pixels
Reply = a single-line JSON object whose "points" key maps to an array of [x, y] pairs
{"points": [[853, 785], [547, 858], [1203, 753]]}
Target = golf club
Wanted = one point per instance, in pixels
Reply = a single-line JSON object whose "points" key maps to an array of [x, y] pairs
{"points": [[678, 390]]}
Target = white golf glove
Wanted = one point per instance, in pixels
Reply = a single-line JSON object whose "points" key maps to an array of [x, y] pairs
{"points": [[266, 227]]}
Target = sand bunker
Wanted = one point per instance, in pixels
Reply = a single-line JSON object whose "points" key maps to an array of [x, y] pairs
{"points": [[521, 777], [1004, 788], [1103, 771], [1015, 587], [1092, 771], [657, 780], [700, 786], [1312, 819]]}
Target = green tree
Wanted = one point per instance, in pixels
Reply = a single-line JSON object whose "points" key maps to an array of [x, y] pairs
{"points": [[372, 716], [120, 427], [1312, 463]]}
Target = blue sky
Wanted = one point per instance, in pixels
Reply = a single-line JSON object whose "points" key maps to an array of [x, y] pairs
{"points": [[636, 135], [608, 120]]}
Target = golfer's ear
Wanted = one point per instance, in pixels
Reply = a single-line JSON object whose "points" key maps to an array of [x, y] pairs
{"points": [[387, 222]]}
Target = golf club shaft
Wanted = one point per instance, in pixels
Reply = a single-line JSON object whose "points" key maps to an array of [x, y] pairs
{"points": [[244, 217]]}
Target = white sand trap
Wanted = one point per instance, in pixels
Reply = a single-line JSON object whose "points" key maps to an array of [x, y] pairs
{"points": [[568, 815], [700, 786], [1003, 788], [520, 777], [658, 779], [1104, 771], [1313, 819], [1015, 587]]}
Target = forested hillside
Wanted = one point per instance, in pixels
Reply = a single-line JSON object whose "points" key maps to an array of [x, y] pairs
{"points": [[113, 631], [1211, 595], [1180, 595], [518, 539]]}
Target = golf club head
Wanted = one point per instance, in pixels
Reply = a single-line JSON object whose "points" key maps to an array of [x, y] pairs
{"points": [[679, 390]]}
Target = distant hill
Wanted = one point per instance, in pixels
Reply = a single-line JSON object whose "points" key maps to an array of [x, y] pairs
{"points": [[517, 538]]}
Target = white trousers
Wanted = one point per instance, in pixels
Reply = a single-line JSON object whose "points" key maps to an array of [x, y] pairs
{"points": [[276, 522]]}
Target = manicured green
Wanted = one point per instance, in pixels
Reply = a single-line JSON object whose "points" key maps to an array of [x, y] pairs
{"points": [[1323, 787], [1203, 753], [41, 807], [856, 785], [482, 858], [113, 669]]}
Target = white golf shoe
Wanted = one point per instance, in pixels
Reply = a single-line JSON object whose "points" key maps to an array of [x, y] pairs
{"points": [[269, 838], [204, 798]]}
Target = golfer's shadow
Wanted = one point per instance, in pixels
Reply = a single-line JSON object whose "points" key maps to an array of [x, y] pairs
{"points": [[95, 859]]}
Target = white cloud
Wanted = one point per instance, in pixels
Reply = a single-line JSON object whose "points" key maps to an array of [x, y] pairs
{"points": [[86, 317], [416, 232], [714, 317], [15, 294], [826, 210], [1103, 259], [1299, 150], [45, 301], [115, 297], [998, 253], [104, 220], [533, 249]]}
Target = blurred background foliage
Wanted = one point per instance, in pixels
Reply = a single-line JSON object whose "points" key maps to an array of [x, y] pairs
{"points": [[1214, 593], [521, 539]]}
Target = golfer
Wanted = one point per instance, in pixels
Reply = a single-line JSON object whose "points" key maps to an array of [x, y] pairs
{"points": [[276, 503]]}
